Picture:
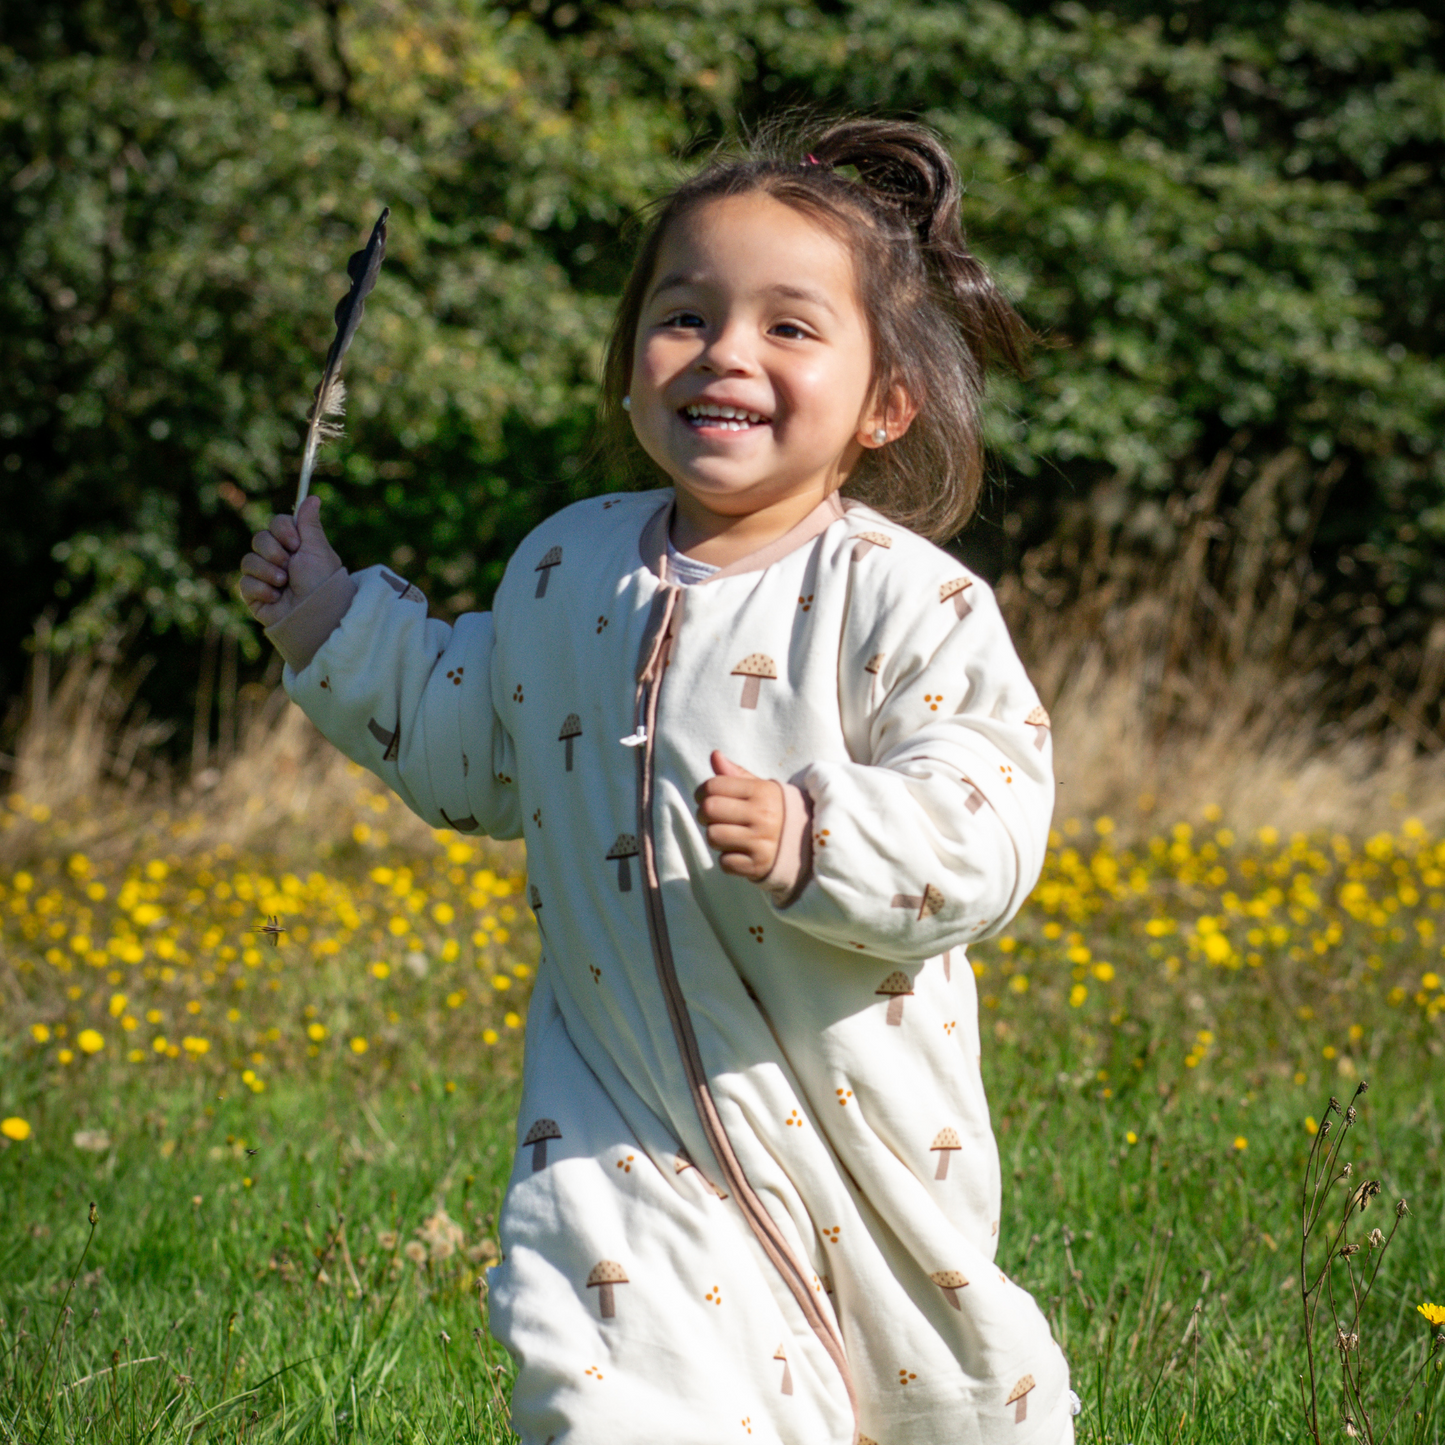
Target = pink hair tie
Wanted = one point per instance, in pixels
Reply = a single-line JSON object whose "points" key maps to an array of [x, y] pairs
{"points": [[812, 160]]}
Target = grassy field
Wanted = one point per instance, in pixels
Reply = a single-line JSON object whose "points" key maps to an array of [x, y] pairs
{"points": [[296, 1152]]}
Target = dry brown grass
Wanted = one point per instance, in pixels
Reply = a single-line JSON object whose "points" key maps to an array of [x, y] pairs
{"points": [[1142, 739]]}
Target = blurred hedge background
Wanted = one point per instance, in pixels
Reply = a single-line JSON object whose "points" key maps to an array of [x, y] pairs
{"points": [[1226, 217]]}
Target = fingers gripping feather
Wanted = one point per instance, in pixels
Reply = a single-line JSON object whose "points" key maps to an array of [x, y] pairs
{"points": [[363, 267]]}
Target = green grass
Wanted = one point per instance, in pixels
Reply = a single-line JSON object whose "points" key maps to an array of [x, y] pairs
{"points": [[1157, 1031], [202, 1274]]}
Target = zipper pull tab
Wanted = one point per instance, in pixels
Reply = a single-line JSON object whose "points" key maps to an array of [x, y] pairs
{"points": [[637, 739]]}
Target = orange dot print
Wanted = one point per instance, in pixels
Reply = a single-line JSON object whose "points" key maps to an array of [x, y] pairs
{"points": [[595, 972], [949, 1027], [517, 693], [806, 603], [455, 674], [820, 839], [933, 699], [906, 1377], [714, 1296], [1007, 771], [843, 1096], [794, 1118], [593, 1371], [831, 1235], [756, 930], [625, 1165]]}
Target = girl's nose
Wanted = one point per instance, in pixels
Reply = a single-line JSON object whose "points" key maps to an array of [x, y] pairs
{"points": [[727, 353]]}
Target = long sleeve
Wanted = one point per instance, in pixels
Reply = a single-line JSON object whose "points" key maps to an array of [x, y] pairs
{"points": [[410, 698], [935, 835]]}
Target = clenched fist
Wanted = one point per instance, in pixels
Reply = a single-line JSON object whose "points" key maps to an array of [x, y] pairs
{"points": [[743, 815], [287, 563]]}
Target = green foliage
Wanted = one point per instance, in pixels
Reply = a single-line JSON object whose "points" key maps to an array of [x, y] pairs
{"points": [[1229, 226]]}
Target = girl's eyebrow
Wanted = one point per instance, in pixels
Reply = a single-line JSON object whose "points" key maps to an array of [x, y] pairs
{"points": [[675, 279]]}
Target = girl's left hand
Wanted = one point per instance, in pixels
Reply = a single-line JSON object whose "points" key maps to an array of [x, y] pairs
{"points": [[743, 815]]}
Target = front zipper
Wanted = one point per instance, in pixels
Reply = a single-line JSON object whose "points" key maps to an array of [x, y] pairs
{"points": [[656, 652]]}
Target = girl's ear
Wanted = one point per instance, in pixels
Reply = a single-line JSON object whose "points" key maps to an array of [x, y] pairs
{"points": [[887, 418]]}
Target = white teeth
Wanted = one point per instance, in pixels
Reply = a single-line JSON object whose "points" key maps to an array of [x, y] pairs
{"points": [[735, 417]]}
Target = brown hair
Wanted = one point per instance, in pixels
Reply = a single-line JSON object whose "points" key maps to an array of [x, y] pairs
{"points": [[937, 318]]}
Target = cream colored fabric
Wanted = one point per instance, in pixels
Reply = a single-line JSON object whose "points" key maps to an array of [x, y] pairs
{"points": [[839, 1033]]}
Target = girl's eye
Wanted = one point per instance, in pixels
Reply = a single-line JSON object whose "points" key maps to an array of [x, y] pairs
{"points": [[683, 319], [790, 331]]}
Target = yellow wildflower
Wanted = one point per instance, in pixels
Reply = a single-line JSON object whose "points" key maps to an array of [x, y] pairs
{"points": [[18, 1130]]}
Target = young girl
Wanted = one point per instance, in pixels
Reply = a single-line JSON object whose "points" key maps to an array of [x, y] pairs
{"points": [[777, 765]]}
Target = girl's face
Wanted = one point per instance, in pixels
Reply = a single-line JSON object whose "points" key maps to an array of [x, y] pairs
{"points": [[752, 372]]}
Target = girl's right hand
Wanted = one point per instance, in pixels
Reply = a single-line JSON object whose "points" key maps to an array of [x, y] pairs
{"points": [[287, 563]]}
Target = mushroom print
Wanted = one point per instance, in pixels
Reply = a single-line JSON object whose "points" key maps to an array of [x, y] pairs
{"points": [[867, 541], [974, 801], [624, 848], [391, 741], [946, 1141], [537, 1137], [571, 728], [1019, 1399], [534, 898], [460, 825], [895, 988], [955, 590], [781, 1354], [1038, 720], [753, 669], [605, 1274], [929, 902], [544, 569], [950, 1282]]}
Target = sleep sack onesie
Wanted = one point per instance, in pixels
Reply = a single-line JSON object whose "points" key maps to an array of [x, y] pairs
{"points": [[756, 1193]]}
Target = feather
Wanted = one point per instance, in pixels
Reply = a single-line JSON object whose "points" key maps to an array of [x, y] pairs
{"points": [[329, 402]]}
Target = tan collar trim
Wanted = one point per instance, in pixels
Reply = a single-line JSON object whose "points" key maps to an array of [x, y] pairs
{"points": [[653, 542]]}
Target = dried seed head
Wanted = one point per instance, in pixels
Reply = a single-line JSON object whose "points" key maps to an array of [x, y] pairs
{"points": [[1350, 1115], [1325, 1128], [1349, 1250], [1401, 1209], [444, 1337], [1377, 1238], [1334, 1107], [1347, 1170], [92, 1213], [1350, 1429], [1364, 1088]]}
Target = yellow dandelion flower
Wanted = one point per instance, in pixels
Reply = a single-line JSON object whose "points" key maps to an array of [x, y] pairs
{"points": [[512, 1020], [65, 1056], [489, 1036], [1131, 1137], [18, 1130], [1019, 983], [1240, 1142], [501, 982], [196, 1046], [380, 970], [358, 1045], [40, 1033], [1104, 972], [1434, 1313], [1077, 995], [90, 1041], [1430, 980], [315, 1032]]}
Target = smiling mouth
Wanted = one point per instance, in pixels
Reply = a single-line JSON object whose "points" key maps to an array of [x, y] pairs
{"points": [[724, 418]]}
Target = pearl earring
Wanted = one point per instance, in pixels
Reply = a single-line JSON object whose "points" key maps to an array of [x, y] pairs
{"points": [[881, 435], [626, 403]]}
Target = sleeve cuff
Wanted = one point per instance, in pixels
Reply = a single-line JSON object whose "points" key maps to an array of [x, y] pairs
{"points": [[299, 635], [793, 867]]}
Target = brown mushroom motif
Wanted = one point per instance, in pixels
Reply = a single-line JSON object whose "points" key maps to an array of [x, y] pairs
{"points": [[624, 848], [874, 665], [1019, 1399], [929, 902], [781, 1354], [534, 898], [956, 590], [895, 988], [753, 669], [975, 799], [391, 741], [1038, 720], [605, 1274], [537, 1137], [945, 1142], [571, 728], [544, 568], [460, 825], [867, 541], [950, 1282]]}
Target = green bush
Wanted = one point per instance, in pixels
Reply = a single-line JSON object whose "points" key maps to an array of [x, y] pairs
{"points": [[1228, 225]]}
